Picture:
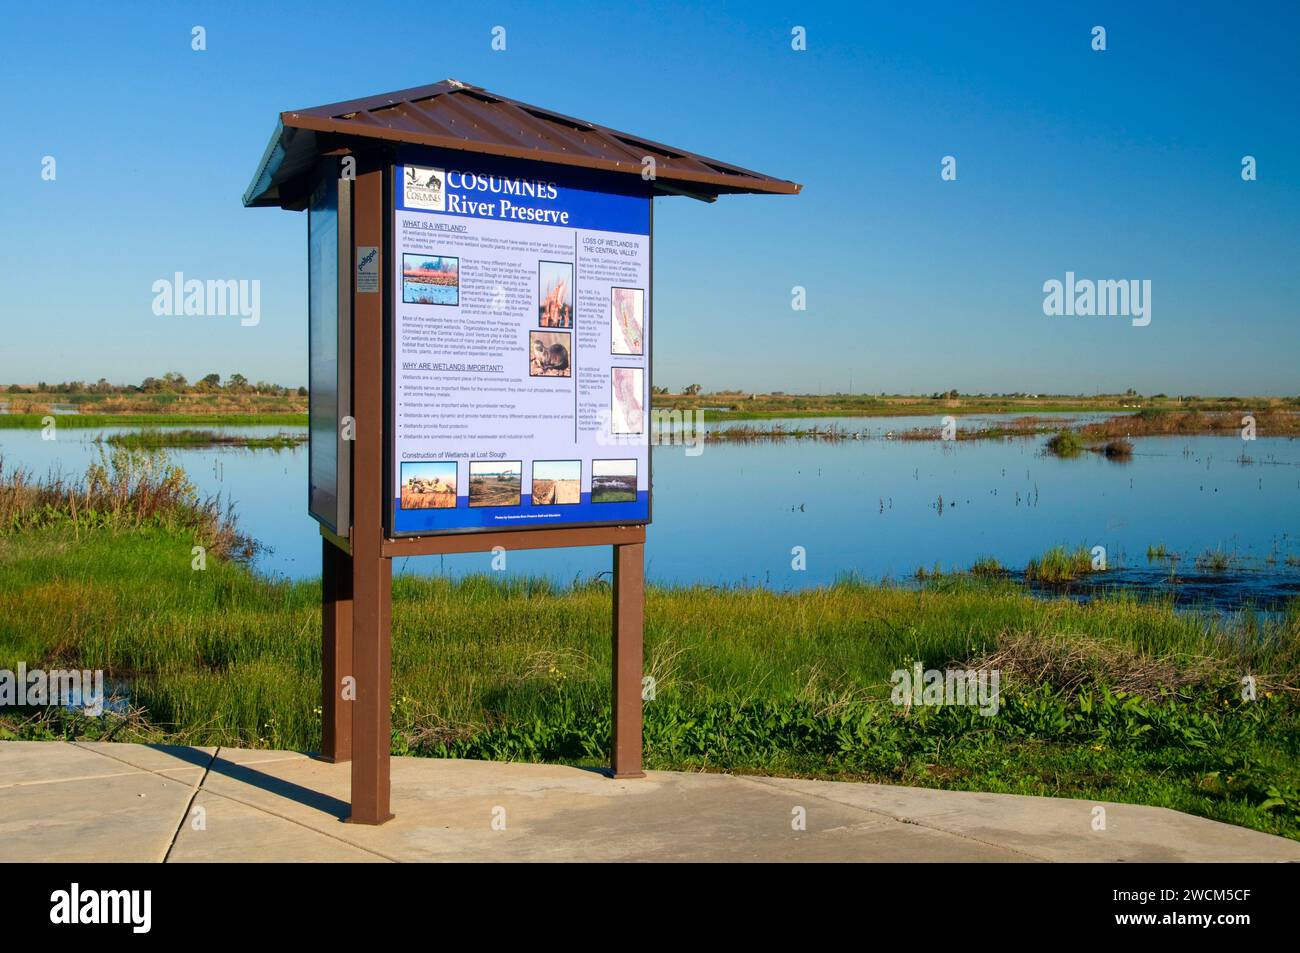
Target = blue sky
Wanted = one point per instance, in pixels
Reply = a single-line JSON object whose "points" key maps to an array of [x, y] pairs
{"points": [[1117, 164]]}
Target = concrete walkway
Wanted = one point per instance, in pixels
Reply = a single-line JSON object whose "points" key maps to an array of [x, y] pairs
{"points": [[116, 802]]}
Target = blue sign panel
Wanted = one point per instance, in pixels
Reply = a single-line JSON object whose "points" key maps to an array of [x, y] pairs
{"points": [[521, 374]]}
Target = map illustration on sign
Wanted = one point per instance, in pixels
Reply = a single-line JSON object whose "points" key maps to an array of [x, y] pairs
{"points": [[627, 387], [627, 307]]}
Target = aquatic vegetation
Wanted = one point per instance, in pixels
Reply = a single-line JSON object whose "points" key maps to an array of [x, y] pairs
{"points": [[1214, 561], [1269, 420], [1059, 565], [1121, 698], [154, 438], [1065, 443], [989, 567], [127, 489]]}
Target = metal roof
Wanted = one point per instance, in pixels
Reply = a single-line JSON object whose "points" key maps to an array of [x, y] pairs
{"points": [[454, 115]]}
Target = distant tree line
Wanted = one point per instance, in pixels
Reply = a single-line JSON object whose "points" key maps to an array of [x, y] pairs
{"points": [[172, 382]]}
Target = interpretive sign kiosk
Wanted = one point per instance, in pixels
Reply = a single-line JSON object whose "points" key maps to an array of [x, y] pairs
{"points": [[480, 293]]}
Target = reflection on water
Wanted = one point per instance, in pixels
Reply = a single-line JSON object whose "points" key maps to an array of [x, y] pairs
{"points": [[876, 508]]}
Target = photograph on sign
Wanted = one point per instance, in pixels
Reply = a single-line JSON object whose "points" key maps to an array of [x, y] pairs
{"points": [[430, 279], [613, 481], [557, 482], [520, 358], [555, 294], [428, 486], [550, 354], [495, 484]]}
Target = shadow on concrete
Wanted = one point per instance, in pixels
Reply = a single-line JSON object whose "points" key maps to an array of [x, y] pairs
{"points": [[244, 774]]}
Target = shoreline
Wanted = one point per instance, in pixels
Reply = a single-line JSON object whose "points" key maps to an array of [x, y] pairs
{"points": [[1119, 698], [747, 680], [1128, 424], [90, 421]]}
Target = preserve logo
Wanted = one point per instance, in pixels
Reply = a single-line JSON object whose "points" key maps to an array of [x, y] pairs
{"points": [[424, 188]]}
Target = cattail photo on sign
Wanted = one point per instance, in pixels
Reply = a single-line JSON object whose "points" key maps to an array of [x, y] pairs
{"points": [[555, 294]]}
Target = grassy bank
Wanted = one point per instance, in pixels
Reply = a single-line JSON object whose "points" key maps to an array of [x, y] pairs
{"points": [[154, 439], [88, 421], [119, 402], [1136, 416], [1171, 423], [746, 433], [745, 680]]}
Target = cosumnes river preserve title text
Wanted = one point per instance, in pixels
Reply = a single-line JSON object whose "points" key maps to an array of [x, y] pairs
{"points": [[503, 208]]}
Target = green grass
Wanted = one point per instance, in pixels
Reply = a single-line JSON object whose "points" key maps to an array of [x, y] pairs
{"points": [[747, 680], [1065, 443], [1214, 561], [152, 438], [983, 568], [988, 566], [85, 421], [1059, 565]]}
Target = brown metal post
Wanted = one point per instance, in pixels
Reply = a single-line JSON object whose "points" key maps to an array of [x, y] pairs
{"points": [[336, 653], [372, 573], [371, 715], [629, 622]]}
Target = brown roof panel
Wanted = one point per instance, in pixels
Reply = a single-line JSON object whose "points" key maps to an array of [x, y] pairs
{"points": [[453, 115]]}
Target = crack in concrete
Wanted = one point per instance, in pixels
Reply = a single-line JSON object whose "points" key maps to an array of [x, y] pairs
{"points": [[297, 823], [194, 792], [199, 786]]}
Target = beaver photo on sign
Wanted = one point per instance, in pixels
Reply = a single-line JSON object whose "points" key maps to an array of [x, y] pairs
{"points": [[554, 358], [548, 354]]}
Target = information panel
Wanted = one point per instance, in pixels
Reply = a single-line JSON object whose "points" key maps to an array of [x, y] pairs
{"points": [[521, 375], [328, 457]]}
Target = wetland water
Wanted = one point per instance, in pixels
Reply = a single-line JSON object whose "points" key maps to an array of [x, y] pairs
{"points": [[874, 507]]}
